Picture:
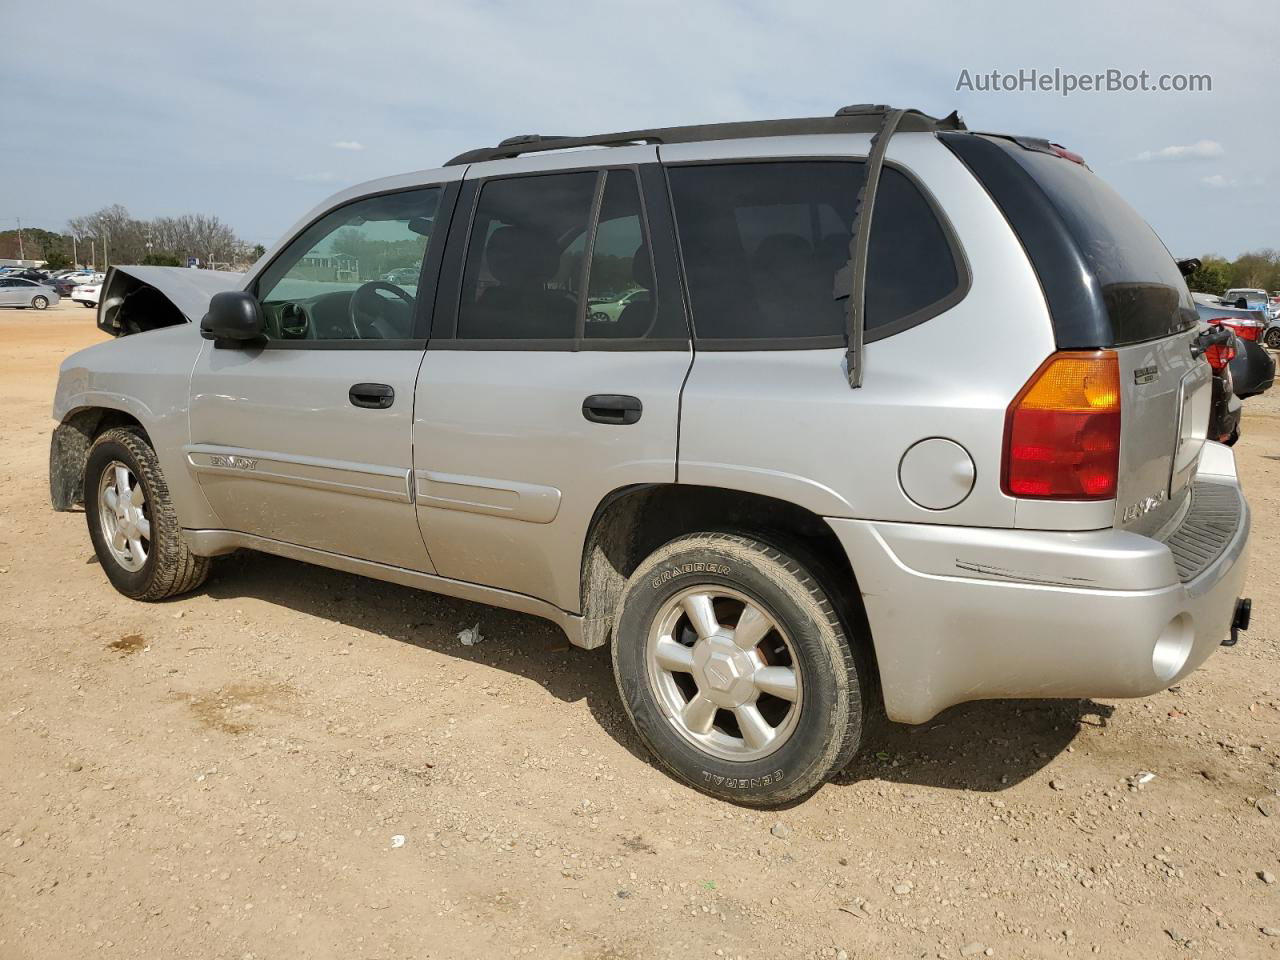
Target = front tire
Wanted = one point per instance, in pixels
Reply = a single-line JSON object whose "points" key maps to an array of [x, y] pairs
{"points": [[132, 522], [737, 671], [40, 303], [1272, 338]]}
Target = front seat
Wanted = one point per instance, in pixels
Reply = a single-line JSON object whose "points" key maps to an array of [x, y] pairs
{"points": [[523, 261]]}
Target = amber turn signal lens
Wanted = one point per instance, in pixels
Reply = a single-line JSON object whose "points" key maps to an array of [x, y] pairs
{"points": [[1062, 431]]}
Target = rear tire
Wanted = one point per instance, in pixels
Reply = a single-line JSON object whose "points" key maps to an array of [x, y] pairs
{"points": [[132, 522], [737, 671]]}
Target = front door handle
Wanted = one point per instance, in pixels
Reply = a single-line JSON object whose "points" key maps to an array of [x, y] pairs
{"points": [[612, 408], [373, 396]]}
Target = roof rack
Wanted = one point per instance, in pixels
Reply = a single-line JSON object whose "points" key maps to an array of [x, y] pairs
{"points": [[857, 118]]}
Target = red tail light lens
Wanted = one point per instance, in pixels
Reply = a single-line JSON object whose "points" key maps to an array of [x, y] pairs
{"points": [[1062, 431], [1244, 329], [1219, 355]]}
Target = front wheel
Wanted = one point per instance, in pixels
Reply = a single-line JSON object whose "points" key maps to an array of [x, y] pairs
{"points": [[1272, 338], [736, 670], [132, 522], [40, 303]]}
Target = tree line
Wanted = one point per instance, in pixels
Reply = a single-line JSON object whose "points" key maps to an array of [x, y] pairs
{"points": [[1258, 269], [112, 235]]}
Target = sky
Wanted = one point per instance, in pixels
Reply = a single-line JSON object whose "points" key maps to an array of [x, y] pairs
{"points": [[255, 112]]}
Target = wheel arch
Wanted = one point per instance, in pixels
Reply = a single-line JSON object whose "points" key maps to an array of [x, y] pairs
{"points": [[631, 522], [69, 449]]}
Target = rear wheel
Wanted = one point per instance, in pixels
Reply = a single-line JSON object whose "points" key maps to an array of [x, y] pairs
{"points": [[132, 521], [40, 303], [737, 671]]}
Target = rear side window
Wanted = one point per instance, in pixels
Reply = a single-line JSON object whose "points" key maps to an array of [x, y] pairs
{"points": [[523, 271], [1143, 291], [762, 243]]}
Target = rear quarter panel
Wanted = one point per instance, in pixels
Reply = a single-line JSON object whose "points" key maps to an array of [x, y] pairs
{"points": [[787, 425]]}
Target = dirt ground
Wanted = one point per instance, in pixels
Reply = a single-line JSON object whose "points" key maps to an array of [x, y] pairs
{"points": [[294, 762]]}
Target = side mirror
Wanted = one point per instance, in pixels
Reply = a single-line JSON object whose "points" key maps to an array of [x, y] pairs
{"points": [[234, 319], [1189, 266]]}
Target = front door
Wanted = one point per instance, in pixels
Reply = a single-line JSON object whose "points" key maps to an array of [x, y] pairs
{"points": [[542, 391], [307, 439]]}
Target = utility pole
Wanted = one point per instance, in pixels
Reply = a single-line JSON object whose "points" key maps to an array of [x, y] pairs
{"points": [[106, 249], [75, 257], [22, 252]]}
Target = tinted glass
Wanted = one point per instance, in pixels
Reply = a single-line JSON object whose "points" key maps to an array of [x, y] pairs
{"points": [[762, 243], [1144, 291], [353, 275], [523, 271], [620, 298]]}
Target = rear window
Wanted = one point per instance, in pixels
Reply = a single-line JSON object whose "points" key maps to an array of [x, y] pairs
{"points": [[1072, 224], [762, 243]]}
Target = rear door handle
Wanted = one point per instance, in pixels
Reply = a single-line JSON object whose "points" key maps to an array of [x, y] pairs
{"points": [[374, 396], [612, 408]]}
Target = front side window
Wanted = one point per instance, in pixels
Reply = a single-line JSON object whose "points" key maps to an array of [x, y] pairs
{"points": [[354, 274], [762, 243]]}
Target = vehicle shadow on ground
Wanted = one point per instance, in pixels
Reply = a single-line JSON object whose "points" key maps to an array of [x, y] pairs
{"points": [[987, 745]]}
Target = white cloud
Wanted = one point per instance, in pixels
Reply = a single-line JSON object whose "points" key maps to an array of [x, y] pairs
{"points": [[323, 176], [1217, 180], [1199, 150], [347, 145]]}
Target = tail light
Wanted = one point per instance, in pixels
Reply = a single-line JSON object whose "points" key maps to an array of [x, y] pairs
{"points": [[1062, 431], [1244, 329], [1219, 355]]}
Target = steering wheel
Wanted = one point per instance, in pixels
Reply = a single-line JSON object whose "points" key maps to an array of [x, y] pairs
{"points": [[365, 299]]}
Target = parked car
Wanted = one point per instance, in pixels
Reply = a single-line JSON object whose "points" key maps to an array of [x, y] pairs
{"points": [[1219, 346], [1253, 368], [19, 292], [611, 309], [982, 472], [62, 285], [86, 294], [27, 273]]}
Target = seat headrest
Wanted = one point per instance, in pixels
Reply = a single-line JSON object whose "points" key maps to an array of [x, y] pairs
{"points": [[521, 257], [642, 267]]}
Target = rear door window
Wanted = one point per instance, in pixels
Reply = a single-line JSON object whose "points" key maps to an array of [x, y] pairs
{"points": [[762, 243], [523, 272]]}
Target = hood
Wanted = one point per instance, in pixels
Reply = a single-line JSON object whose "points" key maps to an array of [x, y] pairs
{"points": [[136, 299]]}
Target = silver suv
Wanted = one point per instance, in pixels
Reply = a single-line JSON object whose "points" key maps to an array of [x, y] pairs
{"points": [[905, 416]]}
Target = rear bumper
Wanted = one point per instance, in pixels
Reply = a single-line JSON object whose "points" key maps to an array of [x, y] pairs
{"points": [[961, 613], [1253, 369]]}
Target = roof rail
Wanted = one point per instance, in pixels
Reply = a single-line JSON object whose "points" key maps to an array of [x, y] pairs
{"points": [[857, 118]]}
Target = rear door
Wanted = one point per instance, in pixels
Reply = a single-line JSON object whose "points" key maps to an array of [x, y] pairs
{"points": [[307, 439], [531, 406]]}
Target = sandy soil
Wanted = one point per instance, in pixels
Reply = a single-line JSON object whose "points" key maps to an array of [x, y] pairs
{"points": [[227, 776]]}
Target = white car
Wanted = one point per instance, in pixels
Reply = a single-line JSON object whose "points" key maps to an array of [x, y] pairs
{"points": [[86, 294]]}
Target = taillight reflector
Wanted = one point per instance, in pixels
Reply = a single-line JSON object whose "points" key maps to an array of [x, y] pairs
{"points": [[1062, 431]]}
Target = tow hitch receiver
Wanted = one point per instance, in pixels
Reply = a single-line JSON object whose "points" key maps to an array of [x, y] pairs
{"points": [[1239, 622]]}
